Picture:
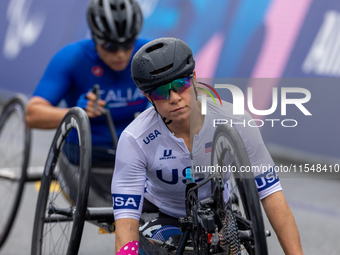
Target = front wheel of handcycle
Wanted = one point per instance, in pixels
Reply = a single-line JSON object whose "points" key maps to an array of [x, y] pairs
{"points": [[62, 201], [15, 143], [229, 153]]}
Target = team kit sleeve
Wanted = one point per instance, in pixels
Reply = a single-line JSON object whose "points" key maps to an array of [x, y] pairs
{"points": [[262, 165], [128, 180], [57, 78]]}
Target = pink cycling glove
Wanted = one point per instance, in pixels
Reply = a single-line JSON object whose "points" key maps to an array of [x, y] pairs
{"points": [[131, 248]]}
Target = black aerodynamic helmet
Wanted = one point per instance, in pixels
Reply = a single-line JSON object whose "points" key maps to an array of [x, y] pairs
{"points": [[161, 61], [114, 21]]}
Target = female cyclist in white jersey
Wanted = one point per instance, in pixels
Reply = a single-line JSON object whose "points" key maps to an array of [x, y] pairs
{"points": [[155, 150]]}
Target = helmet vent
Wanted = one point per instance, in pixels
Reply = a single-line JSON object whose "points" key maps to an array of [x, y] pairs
{"points": [[121, 28], [163, 69], [154, 47], [100, 23], [134, 19]]}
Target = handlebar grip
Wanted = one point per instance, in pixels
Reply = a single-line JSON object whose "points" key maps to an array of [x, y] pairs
{"points": [[107, 115], [95, 90]]}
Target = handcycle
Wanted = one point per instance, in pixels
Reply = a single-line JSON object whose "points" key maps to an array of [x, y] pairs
{"points": [[15, 145], [215, 227], [65, 200], [15, 169]]}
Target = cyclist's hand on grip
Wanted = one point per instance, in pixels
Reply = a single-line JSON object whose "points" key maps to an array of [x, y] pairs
{"points": [[93, 106]]}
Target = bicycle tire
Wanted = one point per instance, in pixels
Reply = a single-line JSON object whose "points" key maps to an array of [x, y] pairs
{"points": [[15, 141], [59, 210], [228, 143]]}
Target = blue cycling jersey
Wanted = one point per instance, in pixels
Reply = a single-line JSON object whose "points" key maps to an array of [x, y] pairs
{"points": [[75, 69]]}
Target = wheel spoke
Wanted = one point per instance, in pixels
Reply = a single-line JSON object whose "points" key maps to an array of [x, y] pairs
{"points": [[228, 150]]}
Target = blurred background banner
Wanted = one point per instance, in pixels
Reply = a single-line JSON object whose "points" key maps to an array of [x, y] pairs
{"points": [[248, 39]]}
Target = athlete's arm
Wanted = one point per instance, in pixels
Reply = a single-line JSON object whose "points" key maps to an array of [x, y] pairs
{"points": [[127, 230], [42, 114], [55, 85], [127, 187], [282, 220]]}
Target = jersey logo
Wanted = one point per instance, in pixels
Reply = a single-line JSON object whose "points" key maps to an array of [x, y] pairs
{"points": [[97, 71], [121, 98], [167, 155], [266, 180], [126, 201], [151, 136], [175, 178]]}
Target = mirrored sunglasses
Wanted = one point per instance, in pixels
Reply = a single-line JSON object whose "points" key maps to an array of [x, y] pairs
{"points": [[114, 47], [163, 92]]}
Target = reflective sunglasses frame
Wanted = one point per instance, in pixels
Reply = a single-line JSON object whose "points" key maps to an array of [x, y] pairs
{"points": [[163, 91], [114, 47]]}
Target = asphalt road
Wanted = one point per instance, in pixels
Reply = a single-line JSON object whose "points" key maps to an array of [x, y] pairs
{"points": [[315, 204]]}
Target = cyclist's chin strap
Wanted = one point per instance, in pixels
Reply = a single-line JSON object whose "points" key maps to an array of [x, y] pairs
{"points": [[195, 91], [163, 118], [166, 122]]}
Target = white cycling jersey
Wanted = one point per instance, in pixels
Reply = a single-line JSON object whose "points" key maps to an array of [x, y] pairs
{"points": [[151, 162]]}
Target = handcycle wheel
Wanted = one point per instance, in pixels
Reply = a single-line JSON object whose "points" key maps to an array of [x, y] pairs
{"points": [[15, 140], [62, 201], [228, 151]]}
